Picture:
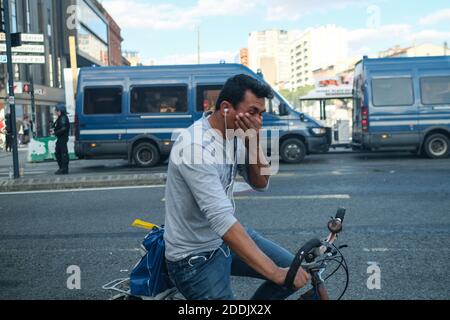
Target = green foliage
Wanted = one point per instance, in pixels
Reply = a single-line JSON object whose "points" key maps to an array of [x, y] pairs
{"points": [[293, 97]]}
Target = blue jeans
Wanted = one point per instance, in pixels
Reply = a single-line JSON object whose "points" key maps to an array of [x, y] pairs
{"points": [[206, 276]]}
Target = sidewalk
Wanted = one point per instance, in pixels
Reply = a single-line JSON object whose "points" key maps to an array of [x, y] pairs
{"points": [[83, 174]]}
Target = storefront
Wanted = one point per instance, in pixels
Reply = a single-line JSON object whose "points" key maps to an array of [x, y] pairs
{"points": [[45, 100]]}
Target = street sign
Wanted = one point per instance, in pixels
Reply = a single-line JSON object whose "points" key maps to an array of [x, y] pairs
{"points": [[24, 59], [27, 37], [26, 48]]}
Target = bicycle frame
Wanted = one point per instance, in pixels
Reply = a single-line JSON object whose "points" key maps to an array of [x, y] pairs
{"points": [[312, 257]]}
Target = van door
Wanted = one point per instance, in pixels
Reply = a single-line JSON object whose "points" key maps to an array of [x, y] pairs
{"points": [[101, 119], [358, 102], [434, 102], [393, 112], [275, 117]]}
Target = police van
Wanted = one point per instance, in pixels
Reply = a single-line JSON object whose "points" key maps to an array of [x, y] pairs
{"points": [[403, 104], [131, 112]]}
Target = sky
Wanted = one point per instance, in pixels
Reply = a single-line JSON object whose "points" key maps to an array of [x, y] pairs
{"points": [[167, 31]]}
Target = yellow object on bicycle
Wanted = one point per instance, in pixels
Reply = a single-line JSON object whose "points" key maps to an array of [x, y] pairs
{"points": [[143, 224]]}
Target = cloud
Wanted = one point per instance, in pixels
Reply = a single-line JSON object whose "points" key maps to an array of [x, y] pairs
{"points": [[368, 35], [293, 9], [436, 17], [433, 36], [205, 57], [139, 14], [371, 40]]}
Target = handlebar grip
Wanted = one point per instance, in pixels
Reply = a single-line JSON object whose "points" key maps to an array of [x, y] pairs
{"points": [[296, 263], [340, 214]]}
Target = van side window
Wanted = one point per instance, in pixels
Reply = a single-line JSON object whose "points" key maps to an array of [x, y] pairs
{"points": [[392, 92], [102, 100], [207, 97], [435, 90], [167, 99], [273, 106]]}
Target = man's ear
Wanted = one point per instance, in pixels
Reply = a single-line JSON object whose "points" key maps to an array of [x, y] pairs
{"points": [[225, 108]]}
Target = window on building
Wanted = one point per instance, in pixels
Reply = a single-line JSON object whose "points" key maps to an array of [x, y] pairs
{"points": [[207, 97], [50, 70], [392, 92], [167, 99], [16, 72], [435, 90], [103, 100], [13, 5], [60, 82], [27, 16]]}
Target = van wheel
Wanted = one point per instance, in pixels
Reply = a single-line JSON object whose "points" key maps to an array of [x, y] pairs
{"points": [[146, 155], [437, 146], [293, 151]]}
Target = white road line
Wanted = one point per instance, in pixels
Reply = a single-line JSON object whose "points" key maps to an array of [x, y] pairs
{"points": [[110, 250], [405, 249], [81, 190], [299, 197]]}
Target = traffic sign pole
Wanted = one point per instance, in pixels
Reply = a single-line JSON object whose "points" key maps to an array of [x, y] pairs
{"points": [[11, 98]]}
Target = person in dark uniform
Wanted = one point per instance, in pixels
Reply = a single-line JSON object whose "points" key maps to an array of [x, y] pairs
{"points": [[61, 129]]}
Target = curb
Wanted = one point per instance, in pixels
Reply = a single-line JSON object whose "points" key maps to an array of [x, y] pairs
{"points": [[63, 183]]}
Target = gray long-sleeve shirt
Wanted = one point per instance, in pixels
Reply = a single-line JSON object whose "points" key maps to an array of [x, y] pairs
{"points": [[198, 190]]}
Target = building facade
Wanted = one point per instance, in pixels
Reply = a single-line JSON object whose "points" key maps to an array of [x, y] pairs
{"points": [[243, 57], [313, 49], [268, 51], [421, 50], [133, 57], [98, 43]]}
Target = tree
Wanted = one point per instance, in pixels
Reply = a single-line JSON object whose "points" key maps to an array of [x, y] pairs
{"points": [[293, 97]]}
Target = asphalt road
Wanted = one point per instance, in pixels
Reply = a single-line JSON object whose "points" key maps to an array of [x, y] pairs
{"points": [[398, 216]]}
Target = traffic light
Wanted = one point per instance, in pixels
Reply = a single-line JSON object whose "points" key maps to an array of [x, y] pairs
{"points": [[28, 88]]}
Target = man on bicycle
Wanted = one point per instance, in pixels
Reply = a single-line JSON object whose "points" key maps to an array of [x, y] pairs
{"points": [[205, 243]]}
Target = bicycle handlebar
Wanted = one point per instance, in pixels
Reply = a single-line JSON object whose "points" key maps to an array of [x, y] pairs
{"points": [[296, 263], [340, 214], [335, 226]]}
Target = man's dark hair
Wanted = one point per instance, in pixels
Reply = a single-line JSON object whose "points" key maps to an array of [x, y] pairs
{"points": [[235, 88]]}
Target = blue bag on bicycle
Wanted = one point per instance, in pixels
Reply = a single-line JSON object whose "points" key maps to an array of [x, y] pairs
{"points": [[150, 277]]}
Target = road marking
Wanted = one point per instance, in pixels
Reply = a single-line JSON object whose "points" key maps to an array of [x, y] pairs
{"points": [[25, 173], [81, 190], [405, 249], [299, 197], [72, 250], [304, 197], [375, 249]]}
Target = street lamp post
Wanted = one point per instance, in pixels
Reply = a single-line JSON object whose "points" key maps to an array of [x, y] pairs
{"points": [[11, 98]]}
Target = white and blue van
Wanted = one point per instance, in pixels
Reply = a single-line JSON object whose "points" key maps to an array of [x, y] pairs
{"points": [[403, 104], [131, 112]]}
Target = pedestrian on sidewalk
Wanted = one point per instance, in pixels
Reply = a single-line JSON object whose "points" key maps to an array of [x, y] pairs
{"points": [[27, 128], [8, 133], [61, 129]]}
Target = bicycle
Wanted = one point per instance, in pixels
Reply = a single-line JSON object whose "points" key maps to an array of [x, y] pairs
{"points": [[314, 257]]}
